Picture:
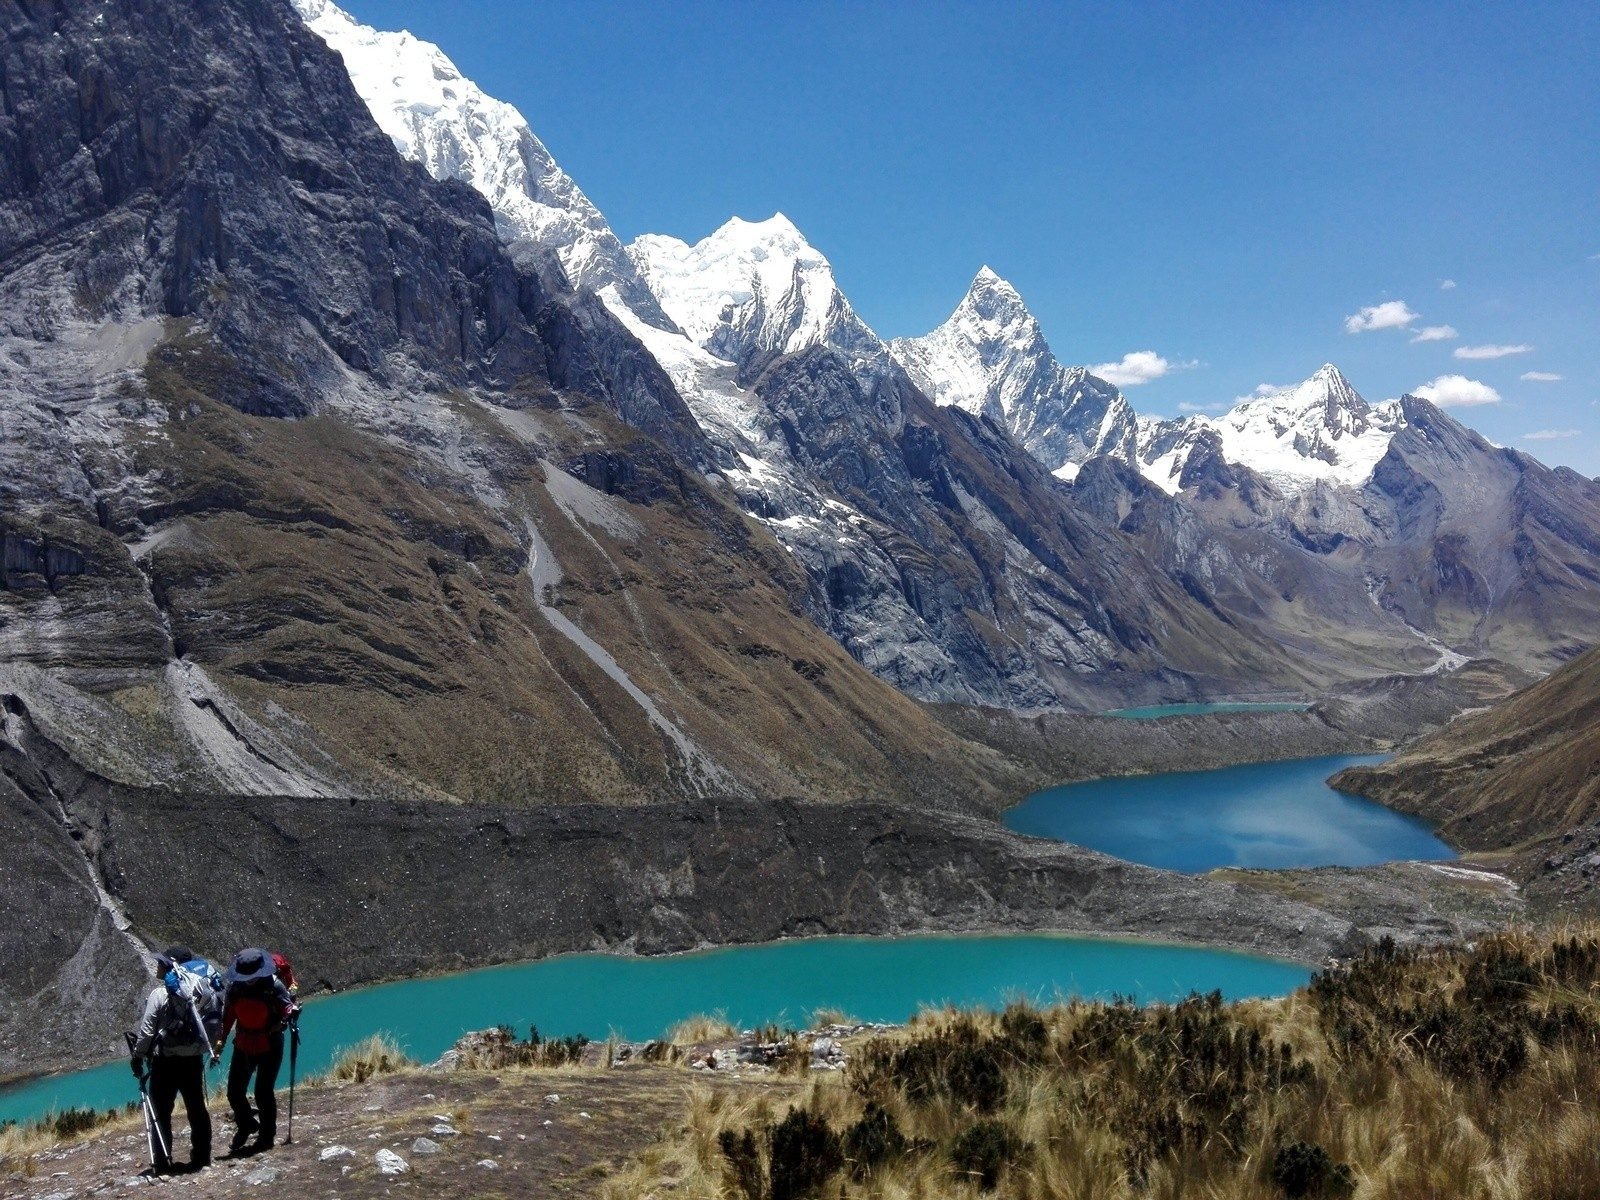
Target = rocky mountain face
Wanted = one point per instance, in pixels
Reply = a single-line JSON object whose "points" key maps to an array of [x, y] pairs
{"points": [[309, 486]]}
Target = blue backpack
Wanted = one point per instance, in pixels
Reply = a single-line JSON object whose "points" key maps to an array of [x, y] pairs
{"points": [[194, 1003]]}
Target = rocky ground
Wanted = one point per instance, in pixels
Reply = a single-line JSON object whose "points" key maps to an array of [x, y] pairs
{"points": [[532, 1133], [1408, 901]]}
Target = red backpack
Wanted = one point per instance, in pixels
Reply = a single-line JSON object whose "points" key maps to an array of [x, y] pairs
{"points": [[285, 972]]}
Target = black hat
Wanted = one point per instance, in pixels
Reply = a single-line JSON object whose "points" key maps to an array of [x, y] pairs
{"points": [[251, 965], [171, 956]]}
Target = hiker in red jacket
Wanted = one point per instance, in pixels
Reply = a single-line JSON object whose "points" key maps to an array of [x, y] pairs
{"points": [[257, 1010]]}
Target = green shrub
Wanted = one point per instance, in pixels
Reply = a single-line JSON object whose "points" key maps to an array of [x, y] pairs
{"points": [[743, 1161], [985, 1151], [804, 1152], [872, 1141], [1306, 1169]]}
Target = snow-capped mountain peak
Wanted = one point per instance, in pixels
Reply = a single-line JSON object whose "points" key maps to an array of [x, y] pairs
{"points": [[991, 359], [443, 120], [749, 287], [1318, 430]]}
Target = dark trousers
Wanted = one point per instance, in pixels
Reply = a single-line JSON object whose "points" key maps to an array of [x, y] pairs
{"points": [[172, 1076], [263, 1121]]}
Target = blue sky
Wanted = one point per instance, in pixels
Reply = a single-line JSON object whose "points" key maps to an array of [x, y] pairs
{"points": [[1221, 185]]}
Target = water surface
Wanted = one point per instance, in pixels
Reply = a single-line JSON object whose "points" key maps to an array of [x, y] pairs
{"points": [[1154, 712], [873, 979], [1276, 814]]}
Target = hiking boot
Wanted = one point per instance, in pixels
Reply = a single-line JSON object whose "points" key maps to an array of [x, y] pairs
{"points": [[262, 1143], [241, 1135], [199, 1162]]}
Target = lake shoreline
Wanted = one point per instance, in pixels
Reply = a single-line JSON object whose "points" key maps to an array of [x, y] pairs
{"points": [[361, 890], [1042, 966]]}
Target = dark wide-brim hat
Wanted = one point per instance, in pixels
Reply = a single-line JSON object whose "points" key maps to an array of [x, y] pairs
{"points": [[250, 966]]}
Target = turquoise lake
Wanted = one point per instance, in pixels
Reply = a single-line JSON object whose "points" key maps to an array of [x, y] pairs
{"points": [[1277, 814], [873, 979], [1154, 712]]}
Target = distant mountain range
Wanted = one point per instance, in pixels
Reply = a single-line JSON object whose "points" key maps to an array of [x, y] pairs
{"points": [[318, 463], [1389, 527]]}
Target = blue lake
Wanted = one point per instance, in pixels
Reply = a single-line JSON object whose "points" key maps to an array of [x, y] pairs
{"points": [[1154, 712], [1279, 814], [873, 979]]}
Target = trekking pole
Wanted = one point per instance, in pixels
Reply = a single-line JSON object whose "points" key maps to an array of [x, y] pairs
{"points": [[152, 1128], [294, 1058], [205, 1038]]}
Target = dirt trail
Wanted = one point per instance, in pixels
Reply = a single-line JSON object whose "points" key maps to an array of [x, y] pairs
{"points": [[517, 1133]]}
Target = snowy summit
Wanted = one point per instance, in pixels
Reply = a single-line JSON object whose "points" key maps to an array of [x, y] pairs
{"points": [[441, 119], [991, 359], [1318, 430], [750, 287]]}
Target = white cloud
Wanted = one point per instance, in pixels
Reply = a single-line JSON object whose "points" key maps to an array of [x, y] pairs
{"points": [[1184, 406], [1436, 333], [1490, 351], [1457, 391], [1447, 285], [1138, 367], [1541, 377], [1391, 314], [1550, 435]]}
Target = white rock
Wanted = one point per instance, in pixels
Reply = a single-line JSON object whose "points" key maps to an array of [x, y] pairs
{"points": [[552, 1098], [262, 1176], [425, 1146], [443, 1131], [329, 1153], [390, 1163], [488, 1164], [583, 1116]]}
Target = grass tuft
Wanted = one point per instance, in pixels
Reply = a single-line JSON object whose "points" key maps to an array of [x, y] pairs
{"points": [[703, 1027], [379, 1054]]}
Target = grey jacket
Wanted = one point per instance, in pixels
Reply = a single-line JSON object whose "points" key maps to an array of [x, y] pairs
{"points": [[168, 1028]]}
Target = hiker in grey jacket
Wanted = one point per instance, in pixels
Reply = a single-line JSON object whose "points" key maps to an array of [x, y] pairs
{"points": [[175, 1048]]}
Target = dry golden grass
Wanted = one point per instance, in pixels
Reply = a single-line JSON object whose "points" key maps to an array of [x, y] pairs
{"points": [[702, 1027], [1467, 1074], [379, 1054], [21, 1144]]}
